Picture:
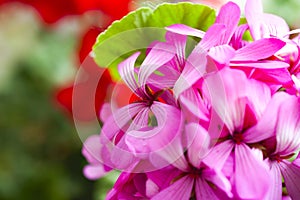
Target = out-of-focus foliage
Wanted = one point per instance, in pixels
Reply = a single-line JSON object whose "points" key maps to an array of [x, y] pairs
{"points": [[288, 9], [40, 149], [40, 152]]}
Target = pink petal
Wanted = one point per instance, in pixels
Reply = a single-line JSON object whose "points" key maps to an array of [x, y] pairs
{"points": [[127, 73], [266, 126], [185, 30], [204, 191], [264, 64], [122, 158], [121, 117], [275, 25], [230, 91], [94, 172], [92, 149], [213, 36], [219, 180], [254, 16], [223, 89], [181, 189], [288, 126], [251, 174], [179, 41], [229, 15], [140, 120], [275, 192], [222, 54], [160, 54], [151, 188], [166, 78], [259, 49], [297, 160], [161, 138], [197, 143], [192, 72], [193, 104], [105, 112], [291, 175], [218, 155]]}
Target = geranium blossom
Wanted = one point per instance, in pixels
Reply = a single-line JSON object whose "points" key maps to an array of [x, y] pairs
{"points": [[215, 117]]}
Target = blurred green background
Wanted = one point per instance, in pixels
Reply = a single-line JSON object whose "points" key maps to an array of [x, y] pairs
{"points": [[40, 155]]}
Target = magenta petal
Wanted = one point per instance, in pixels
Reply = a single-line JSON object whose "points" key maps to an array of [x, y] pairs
{"points": [[264, 64], [164, 177], [229, 15], [291, 175], [204, 191], [218, 155], [259, 49], [236, 40], [213, 36], [251, 174], [185, 30], [219, 180], [160, 54], [181, 189], [279, 76]]}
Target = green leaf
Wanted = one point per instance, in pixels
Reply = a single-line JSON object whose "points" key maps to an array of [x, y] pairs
{"points": [[194, 15], [137, 30]]}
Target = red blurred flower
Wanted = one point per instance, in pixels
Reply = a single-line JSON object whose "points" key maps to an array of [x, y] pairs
{"points": [[53, 10], [85, 96], [84, 99], [92, 89], [88, 101]]}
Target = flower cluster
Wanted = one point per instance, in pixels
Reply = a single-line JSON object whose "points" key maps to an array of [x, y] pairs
{"points": [[220, 121]]}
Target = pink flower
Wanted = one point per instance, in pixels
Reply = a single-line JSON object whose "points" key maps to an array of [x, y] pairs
{"points": [[221, 122], [133, 133], [283, 119], [191, 178], [239, 102], [92, 152]]}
